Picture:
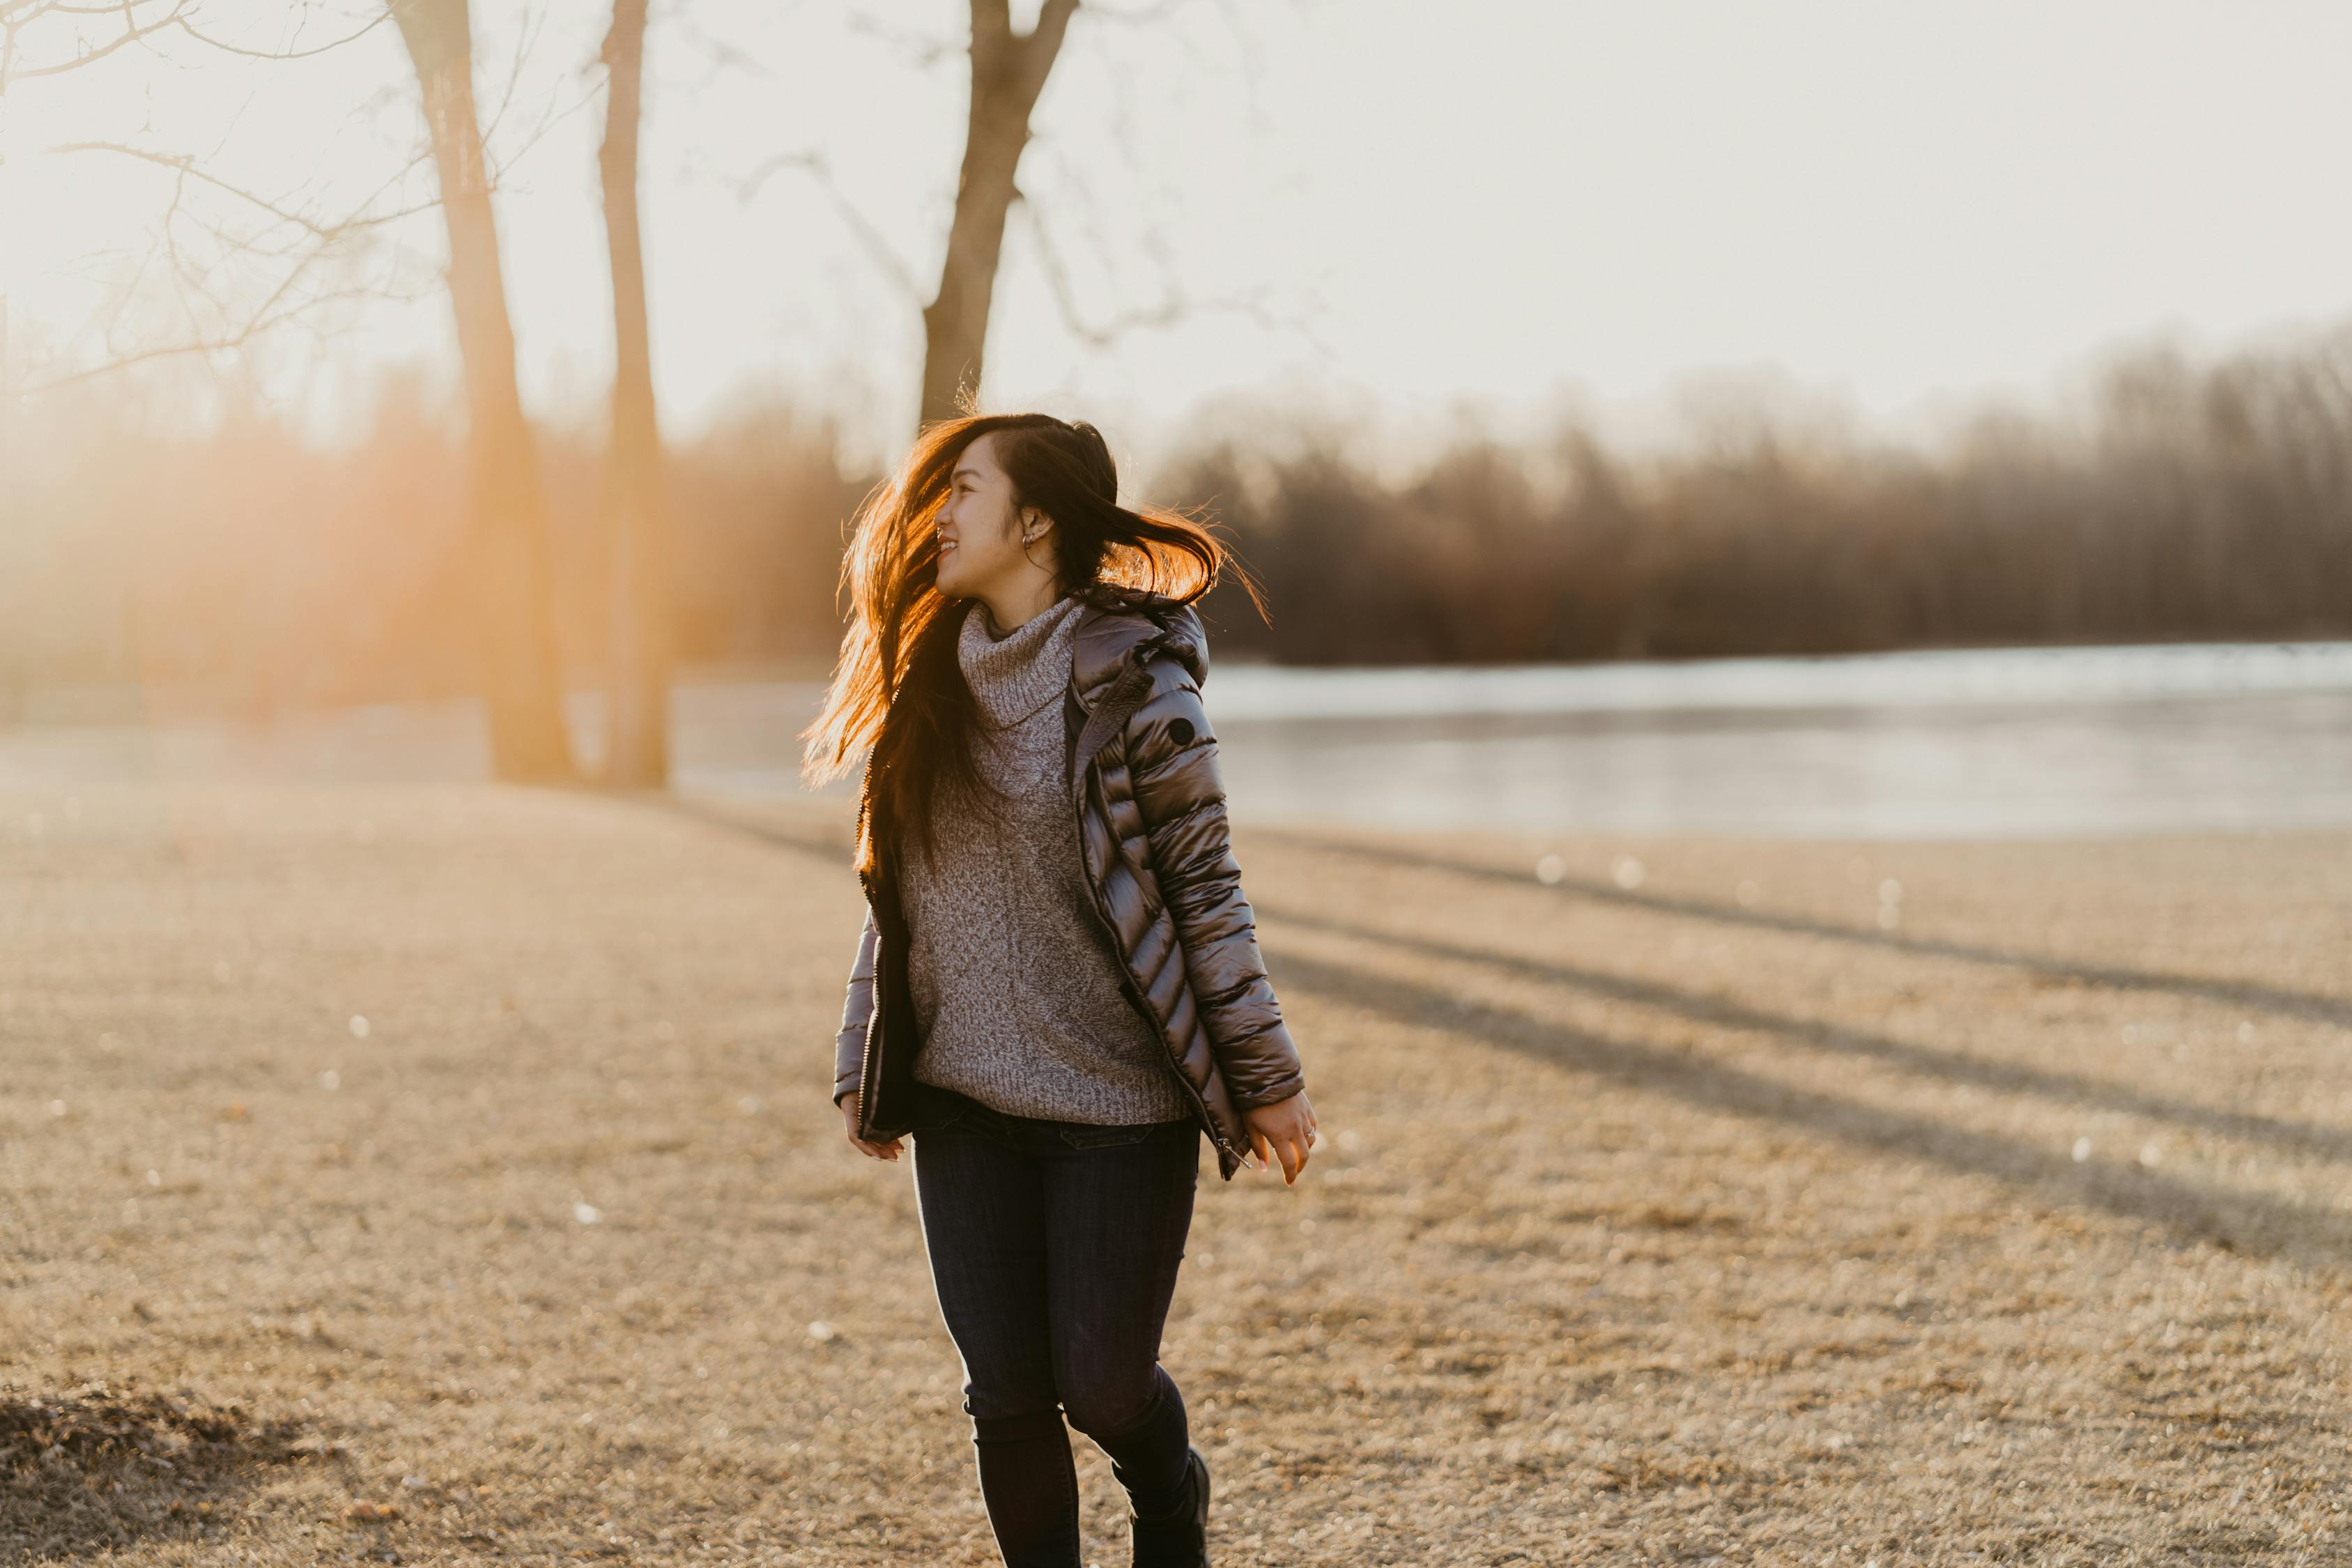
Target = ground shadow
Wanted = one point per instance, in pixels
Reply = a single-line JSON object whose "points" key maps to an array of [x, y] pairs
{"points": [[101, 1468], [1954, 1067], [2235, 1221], [2312, 1005]]}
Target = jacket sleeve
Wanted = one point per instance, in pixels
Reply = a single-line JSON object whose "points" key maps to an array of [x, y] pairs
{"points": [[849, 1045], [1179, 794]]}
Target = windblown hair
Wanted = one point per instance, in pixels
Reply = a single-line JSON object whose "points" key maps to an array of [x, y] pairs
{"points": [[899, 688]]}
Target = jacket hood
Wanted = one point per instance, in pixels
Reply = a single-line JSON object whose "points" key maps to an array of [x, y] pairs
{"points": [[1118, 627]]}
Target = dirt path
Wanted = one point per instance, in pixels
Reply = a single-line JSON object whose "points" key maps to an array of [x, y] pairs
{"points": [[1758, 1203]]}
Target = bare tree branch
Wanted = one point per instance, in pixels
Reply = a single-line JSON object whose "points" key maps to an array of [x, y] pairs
{"points": [[189, 167], [289, 240], [1043, 43], [816, 167], [534, 24], [495, 169], [548, 122], [201, 256], [254, 327], [1173, 306], [17, 15], [1145, 15], [133, 31], [226, 48], [922, 52], [1070, 182], [722, 55]]}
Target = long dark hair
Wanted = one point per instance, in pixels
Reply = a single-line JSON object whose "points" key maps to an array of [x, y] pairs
{"points": [[898, 686]]}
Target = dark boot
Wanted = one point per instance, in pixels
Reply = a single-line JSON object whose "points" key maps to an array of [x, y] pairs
{"points": [[1179, 1540]]}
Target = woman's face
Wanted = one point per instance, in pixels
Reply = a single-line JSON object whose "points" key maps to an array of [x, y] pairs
{"points": [[981, 554]]}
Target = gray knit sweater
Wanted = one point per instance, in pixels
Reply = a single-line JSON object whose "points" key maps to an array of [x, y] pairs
{"points": [[1013, 978]]}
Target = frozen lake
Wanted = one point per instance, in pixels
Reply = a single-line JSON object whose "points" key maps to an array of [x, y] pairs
{"points": [[1994, 742], [1999, 742]]}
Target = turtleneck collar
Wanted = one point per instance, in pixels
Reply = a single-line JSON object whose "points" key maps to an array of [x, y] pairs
{"points": [[1014, 675]]}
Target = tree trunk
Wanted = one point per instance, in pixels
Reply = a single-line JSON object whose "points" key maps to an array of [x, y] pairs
{"points": [[521, 686], [637, 748], [1008, 71]]}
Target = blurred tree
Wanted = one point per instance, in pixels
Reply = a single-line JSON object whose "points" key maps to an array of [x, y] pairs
{"points": [[522, 687], [638, 705], [1008, 72]]}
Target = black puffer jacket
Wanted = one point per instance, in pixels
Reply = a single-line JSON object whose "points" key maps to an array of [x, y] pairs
{"points": [[1150, 820]]}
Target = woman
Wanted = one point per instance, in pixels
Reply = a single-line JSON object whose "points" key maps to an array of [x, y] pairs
{"points": [[1058, 988]]}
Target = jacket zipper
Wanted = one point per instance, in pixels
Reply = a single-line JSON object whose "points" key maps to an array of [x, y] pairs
{"points": [[870, 1060], [877, 1037], [1142, 1002]]}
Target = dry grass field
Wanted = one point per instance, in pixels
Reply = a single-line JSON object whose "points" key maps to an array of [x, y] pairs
{"points": [[445, 1175]]}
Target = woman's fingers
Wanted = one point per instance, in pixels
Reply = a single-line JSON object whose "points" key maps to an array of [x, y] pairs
{"points": [[888, 1151], [1283, 1150], [1282, 1134]]}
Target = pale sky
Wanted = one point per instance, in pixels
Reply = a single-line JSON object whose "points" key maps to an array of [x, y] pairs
{"points": [[1901, 209]]}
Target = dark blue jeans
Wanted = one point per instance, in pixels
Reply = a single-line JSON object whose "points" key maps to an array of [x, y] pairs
{"points": [[1053, 1249]]}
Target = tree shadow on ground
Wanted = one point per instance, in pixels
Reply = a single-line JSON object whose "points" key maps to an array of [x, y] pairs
{"points": [[1953, 1066], [2314, 1006], [834, 845], [2236, 1221], [101, 1468]]}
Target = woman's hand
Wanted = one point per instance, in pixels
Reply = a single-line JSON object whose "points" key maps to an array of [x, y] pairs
{"points": [[849, 1118], [1283, 1131]]}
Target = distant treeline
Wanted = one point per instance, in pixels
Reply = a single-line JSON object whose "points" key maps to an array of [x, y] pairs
{"points": [[2188, 501], [257, 570]]}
